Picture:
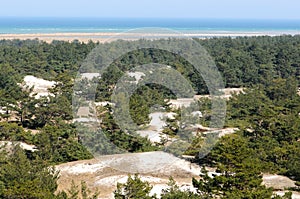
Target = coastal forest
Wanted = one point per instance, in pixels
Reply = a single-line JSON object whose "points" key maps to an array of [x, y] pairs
{"points": [[266, 114]]}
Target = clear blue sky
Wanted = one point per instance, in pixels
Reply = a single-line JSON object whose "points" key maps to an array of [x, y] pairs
{"points": [[261, 9]]}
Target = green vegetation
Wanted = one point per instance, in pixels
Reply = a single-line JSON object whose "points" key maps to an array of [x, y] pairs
{"points": [[77, 192], [206, 188], [269, 124], [267, 115], [133, 188], [239, 174], [22, 178]]}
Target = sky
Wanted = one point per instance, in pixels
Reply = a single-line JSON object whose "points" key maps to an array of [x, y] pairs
{"points": [[242, 9]]}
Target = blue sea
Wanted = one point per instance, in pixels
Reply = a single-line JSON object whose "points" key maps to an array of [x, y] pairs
{"points": [[13, 25]]}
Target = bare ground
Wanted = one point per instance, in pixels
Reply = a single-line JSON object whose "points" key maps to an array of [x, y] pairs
{"points": [[104, 172]]}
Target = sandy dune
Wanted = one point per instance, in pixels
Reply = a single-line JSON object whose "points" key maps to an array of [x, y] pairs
{"points": [[104, 172]]}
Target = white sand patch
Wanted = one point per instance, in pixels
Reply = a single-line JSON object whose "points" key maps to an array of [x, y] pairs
{"points": [[27, 146], [151, 179], [270, 177], [137, 75], [188, 187], [104, 103], [197, 114], [278, 182], [227, 93], [157, 189], [227, 131], [82, 168], [113, 180], [147, 162], [89, 76], [208, 130], [85, 120], [156, 126], [153, 136], [23, 145], [295, 195], [230, 91], [170, 115], [187, 166], [40, 86], [3, 110], [181, 102], [203, 128], [157, 120], [143, 162]]}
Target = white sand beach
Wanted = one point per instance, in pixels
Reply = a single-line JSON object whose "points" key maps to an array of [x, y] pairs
{"points": [[111, 36]]}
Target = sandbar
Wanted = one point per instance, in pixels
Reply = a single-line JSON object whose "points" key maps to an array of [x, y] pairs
{"points": [[103, 37]]}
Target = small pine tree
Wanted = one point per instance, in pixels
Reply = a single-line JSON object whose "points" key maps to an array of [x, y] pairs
{"points": [[173, 192], [133, 188], [82, 191]]}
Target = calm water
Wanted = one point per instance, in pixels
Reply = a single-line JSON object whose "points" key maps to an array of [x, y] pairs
{"points": [[91, 25]]}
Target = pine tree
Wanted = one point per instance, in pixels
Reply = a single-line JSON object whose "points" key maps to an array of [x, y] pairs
{"points": [[133, 188]]}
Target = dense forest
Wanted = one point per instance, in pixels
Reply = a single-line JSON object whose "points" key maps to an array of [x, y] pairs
{"points": [[266, 113]]}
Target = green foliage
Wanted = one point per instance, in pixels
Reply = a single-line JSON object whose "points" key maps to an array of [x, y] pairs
{"points": [[270, 123], [111, 132], [10, 92], [239, 175], [51, 110], [81, 192], [41, 59], [173, 192], [8, 83], [133, 188], [60, 144], [142, 100], [246, 61], [22, 178], [281, 89], [13, 132]]}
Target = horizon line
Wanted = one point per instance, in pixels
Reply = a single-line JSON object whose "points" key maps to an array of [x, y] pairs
{"points": [[146, 18]]}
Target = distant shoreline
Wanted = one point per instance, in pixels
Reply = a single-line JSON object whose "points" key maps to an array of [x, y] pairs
{"points": [[103, 37]]}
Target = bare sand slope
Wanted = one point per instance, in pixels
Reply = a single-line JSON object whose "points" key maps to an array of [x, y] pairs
{"points": [[104, 172]]}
